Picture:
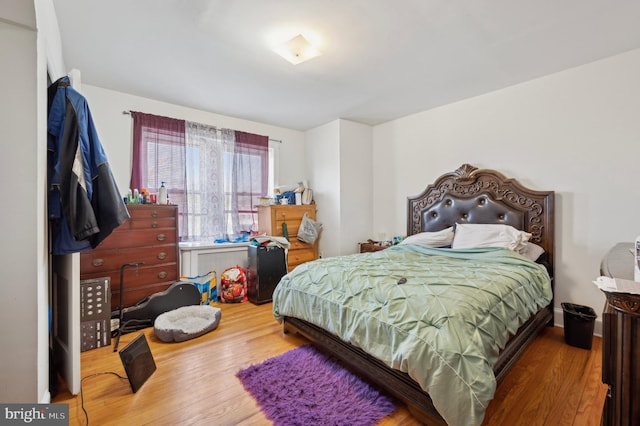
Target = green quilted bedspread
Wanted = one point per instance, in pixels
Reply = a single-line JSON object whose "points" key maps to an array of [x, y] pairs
{"points": [[444, 326]]}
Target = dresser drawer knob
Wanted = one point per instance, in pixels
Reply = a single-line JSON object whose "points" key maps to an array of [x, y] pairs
{"points": [[162, 275], [154, 224], [98, 262], [161, 237], [162, 255], [154, 213]]}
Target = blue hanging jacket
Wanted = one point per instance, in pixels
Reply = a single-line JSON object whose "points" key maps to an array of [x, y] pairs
{"points": [[84, 203]]}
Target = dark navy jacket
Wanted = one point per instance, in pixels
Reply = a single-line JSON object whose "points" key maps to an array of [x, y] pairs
{"points": [[84, 203]]}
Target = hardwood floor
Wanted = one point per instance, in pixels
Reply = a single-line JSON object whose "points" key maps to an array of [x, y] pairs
{"points": [[195, 383]]}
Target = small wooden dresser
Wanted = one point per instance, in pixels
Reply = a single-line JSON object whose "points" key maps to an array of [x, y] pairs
{"points": [[621, 343], [270, 220], [150, 236]]}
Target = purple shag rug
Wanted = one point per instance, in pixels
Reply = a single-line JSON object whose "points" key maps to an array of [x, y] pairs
{"points": [[305, 387]]}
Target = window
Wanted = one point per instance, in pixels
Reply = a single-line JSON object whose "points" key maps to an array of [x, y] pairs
{"points": [[246, 180], [216, 177]]}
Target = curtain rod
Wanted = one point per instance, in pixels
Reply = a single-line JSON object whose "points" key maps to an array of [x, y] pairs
{"points": [[270, 139]]}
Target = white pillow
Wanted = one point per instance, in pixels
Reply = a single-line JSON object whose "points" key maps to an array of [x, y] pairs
{"points": [[531, 251], [473, 235], [442, 238]]}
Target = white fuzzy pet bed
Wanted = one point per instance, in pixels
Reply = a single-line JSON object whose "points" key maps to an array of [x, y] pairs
{"points": [[186, 322]]}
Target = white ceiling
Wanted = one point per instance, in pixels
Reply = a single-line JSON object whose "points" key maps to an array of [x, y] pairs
{"points": [[382, 59]]}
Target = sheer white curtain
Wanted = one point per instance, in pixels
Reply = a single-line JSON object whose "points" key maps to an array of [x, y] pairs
{"points": [[205, 199], [228, 138], [216, 177]]}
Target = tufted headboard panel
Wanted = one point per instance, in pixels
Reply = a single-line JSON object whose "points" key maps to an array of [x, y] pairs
{"points": [[478, 209], [472, 195]]}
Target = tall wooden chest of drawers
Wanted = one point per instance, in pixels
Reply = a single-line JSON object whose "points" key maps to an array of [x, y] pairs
{"points": [[150, 236], [270, 220], [620, 343]]}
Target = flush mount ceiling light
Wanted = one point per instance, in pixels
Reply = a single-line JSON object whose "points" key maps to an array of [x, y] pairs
{"points": [[297, 50]]}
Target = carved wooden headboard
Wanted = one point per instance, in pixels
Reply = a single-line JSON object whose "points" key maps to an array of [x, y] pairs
{"points": [[472, 195]]}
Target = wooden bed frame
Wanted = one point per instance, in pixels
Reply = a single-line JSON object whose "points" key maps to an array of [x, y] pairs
{"points": [[467, 195]]}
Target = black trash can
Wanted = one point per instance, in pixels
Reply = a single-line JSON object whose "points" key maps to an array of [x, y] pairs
{"points": [[578, 325]]}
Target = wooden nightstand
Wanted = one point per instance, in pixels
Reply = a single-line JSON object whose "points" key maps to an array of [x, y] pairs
{"points": [[369, 247]]}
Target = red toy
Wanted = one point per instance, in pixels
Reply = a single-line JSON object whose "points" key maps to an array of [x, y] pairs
{"points": [[233, 284]]}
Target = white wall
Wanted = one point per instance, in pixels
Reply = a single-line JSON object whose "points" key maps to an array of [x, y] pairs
{"points": [[24, 367], [356, 190], [323, 163], [115, 130], [339, 163], [575, 132]]}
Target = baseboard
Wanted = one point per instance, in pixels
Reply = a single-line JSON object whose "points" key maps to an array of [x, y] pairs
{"points": [[558, 321]]}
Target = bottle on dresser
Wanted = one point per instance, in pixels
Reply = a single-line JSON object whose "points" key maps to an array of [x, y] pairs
{"points": [[162, 195]]}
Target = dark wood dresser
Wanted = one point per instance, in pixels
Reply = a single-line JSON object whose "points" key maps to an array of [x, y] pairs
{"points": [[621, 343], [150, 236], [270, 220]]}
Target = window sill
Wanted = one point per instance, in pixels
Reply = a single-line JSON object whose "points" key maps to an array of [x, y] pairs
{"points": [[206, 245]]}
